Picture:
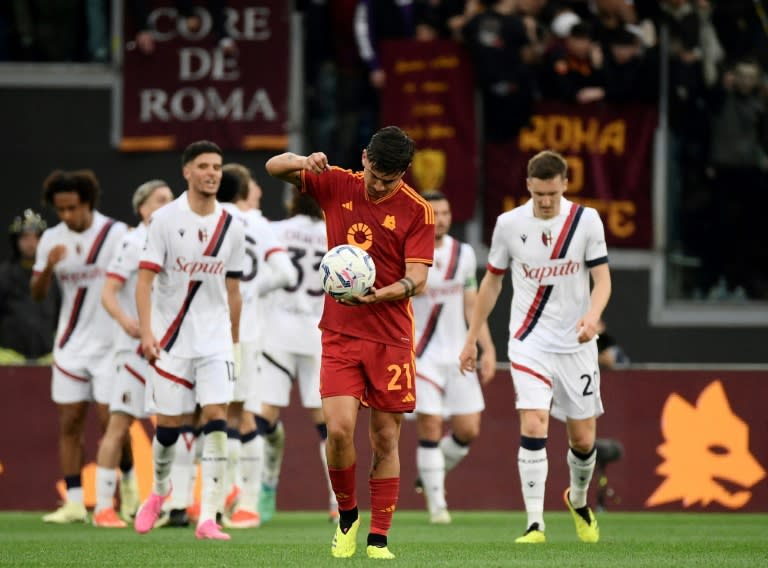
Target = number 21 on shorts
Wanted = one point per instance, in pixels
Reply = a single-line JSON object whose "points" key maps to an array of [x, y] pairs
{"points": [[397, 371]]}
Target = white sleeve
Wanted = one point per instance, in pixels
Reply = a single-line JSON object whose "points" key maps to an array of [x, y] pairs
{"points": [[43, 250], [596, 251], [282, 273], [499, 257], [153, 255]]}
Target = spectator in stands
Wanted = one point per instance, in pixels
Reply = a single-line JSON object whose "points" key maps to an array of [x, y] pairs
{"points": [[441, 19], [26, 326], [575, 72], [48, 30], [186, 10], [610, 354], [739, 159], [499, 45], [631, 74]]}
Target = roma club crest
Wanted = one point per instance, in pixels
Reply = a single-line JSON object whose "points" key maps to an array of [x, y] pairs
{"points": [[428, 169]]}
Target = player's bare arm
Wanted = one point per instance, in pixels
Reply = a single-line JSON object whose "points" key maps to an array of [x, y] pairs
{"points": [[288, 166], [111, 303], [488, 357], [489, 291], [149, 345], [601, 292], [235, 301], [414, 282], [41, 282]]}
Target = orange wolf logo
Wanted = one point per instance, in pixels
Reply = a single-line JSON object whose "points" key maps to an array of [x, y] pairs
{"points": [[705, 445]]}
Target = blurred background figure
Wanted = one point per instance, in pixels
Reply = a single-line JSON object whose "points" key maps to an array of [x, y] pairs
{"points": [[26, 326], [610, 354]]}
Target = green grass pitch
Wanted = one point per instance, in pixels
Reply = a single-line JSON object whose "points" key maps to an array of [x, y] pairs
{"points": [[474, 539]]}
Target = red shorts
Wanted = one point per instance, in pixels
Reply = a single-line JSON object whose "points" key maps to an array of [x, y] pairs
{"points": [[381, 376]]}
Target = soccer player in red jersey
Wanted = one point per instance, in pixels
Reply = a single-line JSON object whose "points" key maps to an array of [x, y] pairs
{"points": [[368, 344]]}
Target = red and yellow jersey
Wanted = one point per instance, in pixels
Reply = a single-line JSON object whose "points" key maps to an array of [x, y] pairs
{"points": [[394, 230]]}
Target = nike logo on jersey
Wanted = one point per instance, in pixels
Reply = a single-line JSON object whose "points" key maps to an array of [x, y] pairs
{"points": [[347, 205]]}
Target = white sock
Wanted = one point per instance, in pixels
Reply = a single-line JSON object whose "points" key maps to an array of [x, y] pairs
{"points": [[214, 464], [232, 473], [106, 481], [251, 465], [162, 456], [333, 505], [273, 456], [75, 495], [453, 453], [182, 472], [533, 466], [431, 465], [581, 475]]}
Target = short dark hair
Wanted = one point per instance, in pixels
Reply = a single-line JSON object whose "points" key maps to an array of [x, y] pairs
{"points": [[243, 175], [82, 182], [229, 188], [304, 204], [434, 195], [200, 147], [390, 150], [547, 164]]}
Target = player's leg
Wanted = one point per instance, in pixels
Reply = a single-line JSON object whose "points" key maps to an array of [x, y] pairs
{"points": [[246, 515], [71, 391], [577, 398], [107, 461], [342, 384], [278, 370], [430, 460], [533, 389], [214, 389], [172, 386], [182, 477], [309, 387], [234, 447], [390, 391]]}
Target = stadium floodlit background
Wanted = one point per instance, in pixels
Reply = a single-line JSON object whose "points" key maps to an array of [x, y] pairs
{"points": [[666, 135]]}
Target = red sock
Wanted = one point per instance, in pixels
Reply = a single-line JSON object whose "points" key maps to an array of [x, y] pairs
{"points": [[343, 483], [384, 494]]}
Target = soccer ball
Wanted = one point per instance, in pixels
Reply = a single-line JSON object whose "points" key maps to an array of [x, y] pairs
{"points": [[347, 271]]}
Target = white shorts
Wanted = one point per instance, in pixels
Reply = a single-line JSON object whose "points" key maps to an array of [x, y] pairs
{"points": [[250, 370], [442, 390], [566, 384], [279, 370], [129, 392], [178, 383], [84, 380]]}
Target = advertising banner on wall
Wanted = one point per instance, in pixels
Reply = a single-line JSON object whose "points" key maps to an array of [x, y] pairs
{"points": [[191, 87], [680, 440], [429, 92], [609, 150]]}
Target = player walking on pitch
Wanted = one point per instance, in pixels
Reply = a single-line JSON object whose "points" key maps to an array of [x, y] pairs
{"points": [[552, 246], [188, 300], [367, 342]]}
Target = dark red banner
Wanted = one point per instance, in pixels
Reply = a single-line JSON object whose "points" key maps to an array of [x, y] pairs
{"points": [[609, 151], [189, 88], [430, 93], [692, 440]]}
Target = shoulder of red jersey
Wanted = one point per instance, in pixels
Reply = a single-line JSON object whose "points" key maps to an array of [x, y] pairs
{"points": [[419, 202]]}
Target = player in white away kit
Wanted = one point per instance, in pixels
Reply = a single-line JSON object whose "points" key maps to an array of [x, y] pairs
{"points": [[268, 267], [552, 246], [77, 251], [189, 324], [292, 347], [128, 392], [441, 315]]}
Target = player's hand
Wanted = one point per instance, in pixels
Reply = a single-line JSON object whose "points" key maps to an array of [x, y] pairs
{"points": [[468, 357], [316, 163], [150, 348], [587, 328], [487, 366], [56, 255], [369, 298]]}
